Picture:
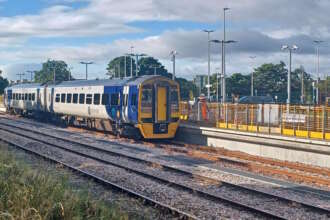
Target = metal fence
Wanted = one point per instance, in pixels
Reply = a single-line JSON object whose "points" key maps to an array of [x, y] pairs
{"points": [[290, 120]]}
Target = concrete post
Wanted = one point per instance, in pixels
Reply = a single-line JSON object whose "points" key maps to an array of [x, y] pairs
{"points": [[324, 121]]}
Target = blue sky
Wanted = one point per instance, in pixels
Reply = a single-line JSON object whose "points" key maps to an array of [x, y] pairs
{"points": [[99, 30]]}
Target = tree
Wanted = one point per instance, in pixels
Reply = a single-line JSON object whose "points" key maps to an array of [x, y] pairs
{"points": [[3, 83], [186, 88], [116, 67], [46, 74], [238, 84], [148, 66]]}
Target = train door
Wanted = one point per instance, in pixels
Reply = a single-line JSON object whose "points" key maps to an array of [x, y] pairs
{"points": [[38, 100], [161, 104], [125, 103]]}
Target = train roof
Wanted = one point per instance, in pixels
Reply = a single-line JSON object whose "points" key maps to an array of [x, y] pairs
{"points": [[106, 82], [101, 82], [25, 86]]}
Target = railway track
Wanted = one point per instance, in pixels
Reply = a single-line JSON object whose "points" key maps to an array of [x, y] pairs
{"points": [[61, 141]]}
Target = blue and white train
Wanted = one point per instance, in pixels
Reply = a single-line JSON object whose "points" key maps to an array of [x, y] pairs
{"points": [[146, 105]]}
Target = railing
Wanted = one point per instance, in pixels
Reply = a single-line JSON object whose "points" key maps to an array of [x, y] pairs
{"points": [[289, 120]]}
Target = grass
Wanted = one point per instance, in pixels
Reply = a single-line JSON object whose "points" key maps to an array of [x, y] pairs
{"points": [[27, 193]]}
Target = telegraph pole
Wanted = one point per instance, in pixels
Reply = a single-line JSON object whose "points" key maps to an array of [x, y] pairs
{"points": [[302, 85], [252, 79], [318, 42]]}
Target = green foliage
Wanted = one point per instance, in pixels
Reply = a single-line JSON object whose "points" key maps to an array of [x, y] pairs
{"points": [[147, 67], [238, 84], [26, 193], [116, 67], [186, 87], [3, 84], [46, 74]]}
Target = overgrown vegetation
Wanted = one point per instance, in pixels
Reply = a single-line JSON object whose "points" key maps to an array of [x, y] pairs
{"points": [[26, 193]]}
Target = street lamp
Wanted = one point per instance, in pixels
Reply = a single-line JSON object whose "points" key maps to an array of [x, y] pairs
{"points": [[86, 63], [173, 53], [31, 72], [317, 42], [224, 55], [223, 84], [209, 62], [137, 61], [290, 49], [252, 57]]}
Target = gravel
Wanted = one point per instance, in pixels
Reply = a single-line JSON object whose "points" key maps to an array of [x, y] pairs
{"points": [[291, 211]]}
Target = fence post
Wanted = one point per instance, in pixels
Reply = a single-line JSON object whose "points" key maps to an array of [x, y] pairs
{"points": [[247, 117], [281, 118], [324, 120], [258, 117], [294, 122], [308, 121], [198, 111], [235, 118], [226, 115], [269, 111]]}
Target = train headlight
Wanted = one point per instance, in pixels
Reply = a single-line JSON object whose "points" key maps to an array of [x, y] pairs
{"points": [[118, 114]]}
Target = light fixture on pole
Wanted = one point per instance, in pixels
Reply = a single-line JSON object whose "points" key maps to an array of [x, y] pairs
{"points": [[86, 63], [209, 62], [223, 84], [31, 74], [224, 55], [20, 76], [317, 42], [173, 53], [137, 61], [290, 49], [252, 57]]}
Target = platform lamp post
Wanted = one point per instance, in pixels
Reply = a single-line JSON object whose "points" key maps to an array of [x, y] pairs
{"points": [[173, 53], [31, 74], [208, 62], [223, 73], [290, 49], [20, 76], [137, 56], [317, 42], [86, 63], [252, 77]]}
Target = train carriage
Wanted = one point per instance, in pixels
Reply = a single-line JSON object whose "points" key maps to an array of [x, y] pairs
{"points": [[146, 105]]}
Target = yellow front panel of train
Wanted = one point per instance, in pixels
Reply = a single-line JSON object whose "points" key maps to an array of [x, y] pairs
{"points": [[161, 103]]}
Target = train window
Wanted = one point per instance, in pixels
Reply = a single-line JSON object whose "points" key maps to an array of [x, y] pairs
{"points": [[97, 99], [89, 98], [63, 97], [68, 98], [58, 97], [75, 98], [19, 96], [26, 96], [146, 100], [33, 96], [114, 99], [82, 98], [105, 99], [134, 100], [174, 99], [30, 96]]}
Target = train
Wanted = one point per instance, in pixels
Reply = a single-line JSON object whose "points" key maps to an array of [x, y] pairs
{"points": [[140, 107]]}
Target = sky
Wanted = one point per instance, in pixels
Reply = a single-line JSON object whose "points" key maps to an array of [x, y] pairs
{"points": [[32, 31]]}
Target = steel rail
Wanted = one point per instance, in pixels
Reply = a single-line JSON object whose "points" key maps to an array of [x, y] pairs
{"points": [[167, 209], [177, 170], [199, 192]]}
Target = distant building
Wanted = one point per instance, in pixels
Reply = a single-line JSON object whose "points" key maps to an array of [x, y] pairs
{"points": [[200, 81]]}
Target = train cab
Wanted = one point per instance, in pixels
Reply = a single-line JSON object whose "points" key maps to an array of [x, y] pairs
{"points": [[158, 108]]}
